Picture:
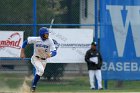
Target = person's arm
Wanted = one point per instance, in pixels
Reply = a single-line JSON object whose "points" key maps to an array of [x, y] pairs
{"points": [[100, 59], [53, 53], [87, 56], [53, 49], [22, 54]]}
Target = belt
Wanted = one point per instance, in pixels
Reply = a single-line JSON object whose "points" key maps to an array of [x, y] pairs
{"points": [[40, 58]]}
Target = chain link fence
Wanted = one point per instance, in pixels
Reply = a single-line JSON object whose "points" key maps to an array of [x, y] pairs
{"points": [[29, 16]]}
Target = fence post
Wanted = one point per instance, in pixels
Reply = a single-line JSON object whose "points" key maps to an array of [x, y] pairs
{"points": [[96, 30], [34, 25], [34, 18], [96, 20]]}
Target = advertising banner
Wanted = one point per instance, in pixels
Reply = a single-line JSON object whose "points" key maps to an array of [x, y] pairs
{"points": [[71, 44], [120, 40], [10, 43]]}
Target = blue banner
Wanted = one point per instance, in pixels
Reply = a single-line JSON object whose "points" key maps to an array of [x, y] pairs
{"points": [[119, 39]]}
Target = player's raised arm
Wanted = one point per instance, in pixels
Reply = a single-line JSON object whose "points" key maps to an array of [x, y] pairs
{"points": [[22, 54]]}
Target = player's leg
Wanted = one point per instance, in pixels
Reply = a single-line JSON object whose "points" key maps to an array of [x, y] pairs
{"points": [[91, 79], [99, 78], [39, 66]]}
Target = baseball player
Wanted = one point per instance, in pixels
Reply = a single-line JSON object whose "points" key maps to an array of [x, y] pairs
{"points": [[94, 63], [43, 48]]}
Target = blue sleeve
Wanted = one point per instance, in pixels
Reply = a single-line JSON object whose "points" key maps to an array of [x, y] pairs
{"points": [[53, 53], [24, 44]]}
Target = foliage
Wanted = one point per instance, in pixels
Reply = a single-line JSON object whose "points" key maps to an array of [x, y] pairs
{"points": [[15, 11], [47, 9], [21, 11]]}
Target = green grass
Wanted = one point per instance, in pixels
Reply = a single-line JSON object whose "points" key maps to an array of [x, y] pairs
{"points": [[10, 81], [81, 84], [75, 84]]}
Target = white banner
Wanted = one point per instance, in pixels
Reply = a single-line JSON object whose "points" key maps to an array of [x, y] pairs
{"points": [[71, 44], [10, 43]]}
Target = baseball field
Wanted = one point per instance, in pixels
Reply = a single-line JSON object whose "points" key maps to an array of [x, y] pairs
{"points": [[10, 83]]}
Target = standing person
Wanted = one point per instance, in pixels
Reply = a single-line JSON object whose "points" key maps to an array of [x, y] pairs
{"points": [[43, 48], [94, 63]]}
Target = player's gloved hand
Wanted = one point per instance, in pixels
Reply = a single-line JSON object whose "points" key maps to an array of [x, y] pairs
{"points": [[48, 55]]}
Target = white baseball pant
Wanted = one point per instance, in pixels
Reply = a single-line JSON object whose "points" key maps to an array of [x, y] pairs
{"points": [[39, 65], [92, 75]]}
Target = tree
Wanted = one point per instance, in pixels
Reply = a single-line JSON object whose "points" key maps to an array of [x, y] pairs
{"points": [[46, 9]]}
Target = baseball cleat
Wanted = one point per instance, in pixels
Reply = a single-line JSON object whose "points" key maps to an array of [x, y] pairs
{"points": [[33, 89]]}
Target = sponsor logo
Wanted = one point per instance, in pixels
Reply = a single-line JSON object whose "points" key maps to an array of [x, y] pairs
{"points": [[56, 44], [73, 45], [13, 41]]}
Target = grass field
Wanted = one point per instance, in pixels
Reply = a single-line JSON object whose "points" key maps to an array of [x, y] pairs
{"points": [[20, 84]]}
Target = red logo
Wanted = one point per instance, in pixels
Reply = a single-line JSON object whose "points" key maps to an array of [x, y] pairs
{"points": [[13, 41]]}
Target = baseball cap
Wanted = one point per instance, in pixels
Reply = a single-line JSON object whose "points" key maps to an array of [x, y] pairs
{"points": [[94, 43]]}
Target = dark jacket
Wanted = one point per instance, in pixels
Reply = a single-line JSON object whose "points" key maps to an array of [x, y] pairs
{"points": [[93, 53]]}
